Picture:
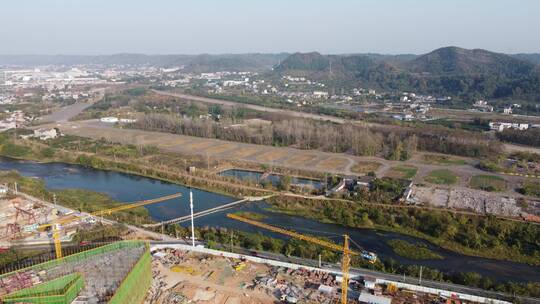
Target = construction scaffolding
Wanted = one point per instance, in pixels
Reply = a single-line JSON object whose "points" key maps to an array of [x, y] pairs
{"points": [[59, 291], [116, 273], [136, 284]]}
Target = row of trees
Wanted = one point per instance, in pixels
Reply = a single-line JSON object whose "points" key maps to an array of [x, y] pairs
{"points": [[529, 137], [392, 143], [473, 235], [302, 134]]}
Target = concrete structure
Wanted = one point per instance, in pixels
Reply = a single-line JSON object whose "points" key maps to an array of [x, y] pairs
{"points": [[373, 299], [442, 292], [109, 119], [501, 126], [45, 134]]}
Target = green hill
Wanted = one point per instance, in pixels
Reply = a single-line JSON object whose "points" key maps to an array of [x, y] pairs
{"points": [[469, 74]]}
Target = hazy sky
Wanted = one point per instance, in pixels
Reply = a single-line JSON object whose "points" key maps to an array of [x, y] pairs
{"points": [[241, 26]]}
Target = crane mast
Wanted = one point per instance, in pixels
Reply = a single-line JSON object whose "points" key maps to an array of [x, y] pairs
{"points": [[345, 262], [55, 224]]}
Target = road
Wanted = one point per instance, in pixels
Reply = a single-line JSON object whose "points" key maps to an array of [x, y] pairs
{"points": [[141, 231], [361, 272], [253, 107], [335, 268], [66, 113], [508, 147], [310, 160], [165, 239]]}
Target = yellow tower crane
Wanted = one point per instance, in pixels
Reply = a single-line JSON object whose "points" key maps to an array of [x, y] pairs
{"points": [[345, 261], [100, 213]]}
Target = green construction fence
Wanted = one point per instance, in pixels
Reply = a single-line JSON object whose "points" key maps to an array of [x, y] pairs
{"points": [[136, 284], [79, 256], [58, 291]]}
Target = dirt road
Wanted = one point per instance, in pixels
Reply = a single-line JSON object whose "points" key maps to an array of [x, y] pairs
{"points": [[311, 160], [66, 113], [253, 107]]}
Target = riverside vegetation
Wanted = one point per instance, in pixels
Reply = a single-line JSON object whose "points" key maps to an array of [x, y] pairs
{"points": [[464, 234], [413, 251], [220, 238], [472, 235]]}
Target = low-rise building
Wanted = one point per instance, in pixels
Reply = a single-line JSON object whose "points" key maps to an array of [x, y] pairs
{"points": [[110, 119], [501, 126], [45, 134]]}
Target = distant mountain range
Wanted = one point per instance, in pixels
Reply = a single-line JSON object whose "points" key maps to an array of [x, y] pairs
{"points": [[453, 71]]}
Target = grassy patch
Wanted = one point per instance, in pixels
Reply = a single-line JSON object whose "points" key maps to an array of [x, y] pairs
{"points": [[442, 177], [88, 201], [251, 215], [443, 160], [405, 172], [489, 183], [531, 188], [82, 200], [413, 251]]}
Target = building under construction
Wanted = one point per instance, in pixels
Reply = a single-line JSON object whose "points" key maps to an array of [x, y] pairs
{"points": [[116, 273]]}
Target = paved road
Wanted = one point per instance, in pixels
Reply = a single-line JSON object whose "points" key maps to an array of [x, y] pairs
{"points": [[361, 272], [508, 147], [335, 268], [253, 107], [66, 113], [311, 160]]}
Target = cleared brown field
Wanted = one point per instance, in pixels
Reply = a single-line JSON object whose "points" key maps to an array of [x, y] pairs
{"points": [[333, 163], [198, 145], [272, 155], [365, 167], [300, 159], [244, 152], [220, 148]]}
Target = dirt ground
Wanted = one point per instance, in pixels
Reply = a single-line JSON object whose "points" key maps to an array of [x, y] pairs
{"points": [[181, 276], [309, 160]]}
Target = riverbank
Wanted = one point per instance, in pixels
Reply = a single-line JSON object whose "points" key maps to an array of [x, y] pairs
{"points": [[77, 199], [436, 229], [125, 188]]}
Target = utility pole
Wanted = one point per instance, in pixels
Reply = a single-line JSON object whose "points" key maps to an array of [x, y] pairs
{"points": [[16, 189], [232, 245], [162, 228], [54, 199], [320, 261], [420, 278], [192, 224]]}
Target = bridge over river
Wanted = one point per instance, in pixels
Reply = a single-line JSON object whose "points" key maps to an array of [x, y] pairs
{"points": [[185, 218]]}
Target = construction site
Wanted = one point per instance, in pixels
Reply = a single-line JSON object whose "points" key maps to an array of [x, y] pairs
{"points": [[182, 276], [107, 274], [22, 219], [171, 271]]}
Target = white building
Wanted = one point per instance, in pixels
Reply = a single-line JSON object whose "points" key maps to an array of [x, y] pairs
{"points": [[501, 126], [320, 94], [45, 134], [109, 119]]}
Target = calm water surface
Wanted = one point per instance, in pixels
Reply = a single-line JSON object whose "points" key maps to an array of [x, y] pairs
{"points": [[129, 188]]}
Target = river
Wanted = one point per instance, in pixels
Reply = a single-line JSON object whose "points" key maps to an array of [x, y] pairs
{"points": [[129, 188]]}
